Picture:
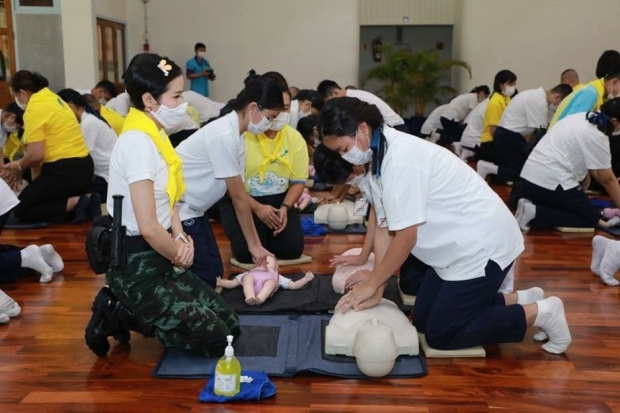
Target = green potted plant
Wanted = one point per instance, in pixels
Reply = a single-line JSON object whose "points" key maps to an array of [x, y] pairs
{"points": [[413, 78]]}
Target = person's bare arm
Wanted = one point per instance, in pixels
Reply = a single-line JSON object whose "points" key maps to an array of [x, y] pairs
{"points": [[608, 180]]}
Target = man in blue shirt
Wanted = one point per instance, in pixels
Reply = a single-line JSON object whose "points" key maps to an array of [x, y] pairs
{"points": [[199, 71]]}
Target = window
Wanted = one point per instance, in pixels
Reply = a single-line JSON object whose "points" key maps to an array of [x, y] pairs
{"points": [[37, 6], [111, 50]]}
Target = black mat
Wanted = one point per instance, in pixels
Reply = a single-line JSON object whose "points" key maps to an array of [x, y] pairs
{"points": [[316, 297], [14, 223], [615, 231], [298, 345]]}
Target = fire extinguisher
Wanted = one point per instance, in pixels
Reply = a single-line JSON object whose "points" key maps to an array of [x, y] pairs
{"points": [[376, 49]]}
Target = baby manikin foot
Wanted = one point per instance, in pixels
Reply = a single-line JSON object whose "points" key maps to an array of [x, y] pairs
{"points": [[599, 244], [258, 301], [250, 301], [52, 258], [526, 211], [552, 320], [33, 258], [485, 168], [610, 263]]}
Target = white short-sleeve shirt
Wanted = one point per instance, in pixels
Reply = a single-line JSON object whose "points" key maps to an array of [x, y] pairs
{"points": [[526, 112], [207, 108], [120, 104], [136, 158], [433, 122], [390, 117], [475, 125], [100, 139], [8, 199], [213, 153], [566, 153], [294, 114], [461, 106], [462, 222]]}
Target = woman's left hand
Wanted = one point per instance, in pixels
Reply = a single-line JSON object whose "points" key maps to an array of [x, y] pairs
{"points": [[283, 215], [11, 174], [360, 297]]}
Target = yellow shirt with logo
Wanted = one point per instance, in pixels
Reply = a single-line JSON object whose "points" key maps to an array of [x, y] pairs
{"points": [[289, 165], [14, 147], [588, 97], [114, 119], [495, 110], [49, 119]]}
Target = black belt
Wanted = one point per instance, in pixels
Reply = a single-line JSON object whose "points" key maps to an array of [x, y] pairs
{"points": [[136, 244]]}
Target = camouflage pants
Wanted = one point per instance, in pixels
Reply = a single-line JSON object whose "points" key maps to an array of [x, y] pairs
{"points": [[187, 313]]}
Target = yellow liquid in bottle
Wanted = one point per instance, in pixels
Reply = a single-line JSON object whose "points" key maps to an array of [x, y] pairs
{"points": [[227, 376]]}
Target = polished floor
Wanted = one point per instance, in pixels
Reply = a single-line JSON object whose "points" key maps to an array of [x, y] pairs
{"points": [[46, 367]]}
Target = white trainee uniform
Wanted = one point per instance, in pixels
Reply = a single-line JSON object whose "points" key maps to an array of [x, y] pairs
{"points": [[294, 114], [460, 107], [120, 104], [526, 112], [213, 153], [566, 153], [100, 139], [8, 199], [462, 222], [207, 108], [136, 158], [433, 122], [390, 117], [475, 126]]}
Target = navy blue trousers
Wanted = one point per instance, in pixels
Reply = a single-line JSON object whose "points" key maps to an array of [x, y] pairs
{"points": [[10, 257], [511, 155], [460, 314], [207, 259]]}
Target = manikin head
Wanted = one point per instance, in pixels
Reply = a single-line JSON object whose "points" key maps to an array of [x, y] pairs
{"points": [[375, 349]]}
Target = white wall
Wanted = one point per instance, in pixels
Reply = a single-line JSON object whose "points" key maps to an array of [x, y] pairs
{"points": [[115, 10], [535, 39], [307, 41], [79, 40]]}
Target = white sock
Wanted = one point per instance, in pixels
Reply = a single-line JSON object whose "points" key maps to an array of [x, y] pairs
{"points": [[485, 168], [552, 320], [32, 258], [508, 284], [52, 258], [466, 154], [434, 137], [599, 243], [457, 148], [530, 295], [8, 306], [4, 318], [610, 263], [526, 211]]}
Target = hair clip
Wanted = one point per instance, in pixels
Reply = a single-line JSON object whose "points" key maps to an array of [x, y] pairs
{"points": [[164, 67]]}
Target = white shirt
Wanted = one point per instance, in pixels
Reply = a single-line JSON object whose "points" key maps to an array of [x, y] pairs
{"points": [[390, 117], [475, 125], [187, 123], [120, 104], [526, 112], [207, 108], [100, 139], [294, 116], [433, 122], [462, 222], [136, 158], [8, 200], [461, 106], [213, 153], [566, 153]]}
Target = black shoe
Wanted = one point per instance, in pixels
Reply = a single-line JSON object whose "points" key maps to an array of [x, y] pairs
{"points": [[80, 211], [100, 327], [126, 320], [94, 206], [123, 336]]}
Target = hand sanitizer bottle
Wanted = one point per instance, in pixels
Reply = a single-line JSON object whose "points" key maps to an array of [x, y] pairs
{"points": [[227, 372]]}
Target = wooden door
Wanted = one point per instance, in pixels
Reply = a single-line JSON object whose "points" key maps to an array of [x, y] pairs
{"points": [[7, 51]]}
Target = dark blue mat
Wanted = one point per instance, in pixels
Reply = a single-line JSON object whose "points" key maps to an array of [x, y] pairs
{"points": [[349, 229], [299, 342], [14, 223]]}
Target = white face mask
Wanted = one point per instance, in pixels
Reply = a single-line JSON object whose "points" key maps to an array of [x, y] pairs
{"points": [[20, 105], [201, 55], [260, 127], [616, 133], [552, 108], [102, 101], [356, 181], [510, 90], [8, 129], [280, 121], [170, 118], [304, 114], [356, 156]]}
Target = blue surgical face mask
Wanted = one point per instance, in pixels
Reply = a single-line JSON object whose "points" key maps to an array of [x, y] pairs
{"points": [[356, 156]]}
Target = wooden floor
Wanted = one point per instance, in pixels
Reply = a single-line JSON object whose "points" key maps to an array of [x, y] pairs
{"points": [[46, 367]]}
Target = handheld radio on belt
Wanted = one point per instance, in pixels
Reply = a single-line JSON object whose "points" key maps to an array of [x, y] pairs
{"points": [[118, 253]]}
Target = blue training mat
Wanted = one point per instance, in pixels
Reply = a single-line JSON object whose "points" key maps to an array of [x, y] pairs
{"points": [[615, 231], [349, 229], [296, 347], [14, 223]]}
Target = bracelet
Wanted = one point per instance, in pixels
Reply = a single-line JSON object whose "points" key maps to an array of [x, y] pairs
{"points": [[288, 207]]}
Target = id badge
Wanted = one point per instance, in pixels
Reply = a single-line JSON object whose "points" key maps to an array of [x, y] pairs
{"points": [[381, 218], [361, 207]]}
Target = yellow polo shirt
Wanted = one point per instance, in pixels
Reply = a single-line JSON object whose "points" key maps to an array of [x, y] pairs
{"points": [[589, 97], [14, 148], [113, 118], [495, 110], [289, 165], [577, 87], [49, 119]]}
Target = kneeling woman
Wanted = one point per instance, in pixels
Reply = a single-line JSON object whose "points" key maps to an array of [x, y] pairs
{"points": [[155, 283], [431, 201]]}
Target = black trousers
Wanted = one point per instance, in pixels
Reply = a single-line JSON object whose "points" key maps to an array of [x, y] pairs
{"points": [[451, 131], [486, 152], [100, 186], [287, 245], [561, 208], [412, 273], [10, 258], [45, 199], [510, 154]]}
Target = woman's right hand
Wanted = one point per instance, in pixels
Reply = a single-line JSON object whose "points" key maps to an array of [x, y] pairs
{"points": [[360, 276], [269, 215], [259, 255], [347, 260], [184, 257]]}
